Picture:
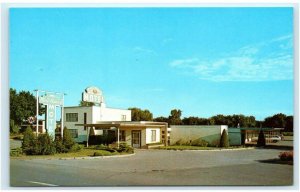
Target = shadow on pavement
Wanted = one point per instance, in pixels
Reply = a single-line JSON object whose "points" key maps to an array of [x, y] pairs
{"points": [[276, 161]]}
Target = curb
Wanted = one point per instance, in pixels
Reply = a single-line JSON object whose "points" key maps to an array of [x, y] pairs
{"points": [[212, 149], [96, 157]]}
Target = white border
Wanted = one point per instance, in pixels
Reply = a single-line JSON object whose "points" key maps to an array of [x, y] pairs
{"points": [[4, 102]]}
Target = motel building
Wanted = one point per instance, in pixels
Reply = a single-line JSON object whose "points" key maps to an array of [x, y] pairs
{"points": [[104, 120]]}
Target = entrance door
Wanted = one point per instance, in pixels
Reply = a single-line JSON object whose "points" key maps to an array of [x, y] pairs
{"points": [[136, 139]]}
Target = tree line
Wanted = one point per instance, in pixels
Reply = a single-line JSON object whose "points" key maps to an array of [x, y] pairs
{"points": [[23, 106], [237, 120]]}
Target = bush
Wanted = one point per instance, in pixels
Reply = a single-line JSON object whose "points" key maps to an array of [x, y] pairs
{"points": [[29, 143], [68, 141], [76, 147], [261, 141], [199, 142], [46, 146], [98, 154], [16, 152], [60, 148], [287, 133], [123, 147], [286, 156], [224, 142]]}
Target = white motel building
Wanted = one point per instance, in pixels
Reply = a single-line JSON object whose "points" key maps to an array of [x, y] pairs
{"points": [[80, 119]]}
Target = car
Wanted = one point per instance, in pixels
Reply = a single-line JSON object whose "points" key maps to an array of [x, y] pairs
{"points": [[275, 138]]}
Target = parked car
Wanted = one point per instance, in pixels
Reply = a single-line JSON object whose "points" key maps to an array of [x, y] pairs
{"points": [[275, 138]]}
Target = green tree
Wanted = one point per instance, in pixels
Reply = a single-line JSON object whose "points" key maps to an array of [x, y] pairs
{"points": [[68, 141], [86, 104], [289, 127], [224, 142], [138, 114], [22, 106], [29, 143], [46, 145], [277, 120], [261, 141], [175, 117], [161, 119]]}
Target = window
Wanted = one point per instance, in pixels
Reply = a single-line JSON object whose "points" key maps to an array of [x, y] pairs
{"points": [[122, 135], [153, 135], [84, 120], [73, 132], [123, 118], [72, 117]]}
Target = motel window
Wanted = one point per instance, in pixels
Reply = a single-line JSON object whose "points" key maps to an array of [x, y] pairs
{"points": [[153, 135], [123, 118], [72, 117], [73, 132]]}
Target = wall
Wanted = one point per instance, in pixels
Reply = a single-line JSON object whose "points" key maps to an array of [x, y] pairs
{"points": [[111, 114], [71, 125], [234, 136], [211, 134]]}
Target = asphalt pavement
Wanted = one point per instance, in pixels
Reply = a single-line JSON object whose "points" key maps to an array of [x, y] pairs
{"points": [[158, 168]]}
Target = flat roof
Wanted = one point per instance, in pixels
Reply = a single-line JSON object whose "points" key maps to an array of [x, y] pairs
{"points": [[109, 124]]}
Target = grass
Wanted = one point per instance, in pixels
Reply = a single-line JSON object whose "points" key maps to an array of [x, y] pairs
{"points": [[82, 153]]}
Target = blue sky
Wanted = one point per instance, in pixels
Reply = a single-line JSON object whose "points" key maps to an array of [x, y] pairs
{"points": [[204, 61]]}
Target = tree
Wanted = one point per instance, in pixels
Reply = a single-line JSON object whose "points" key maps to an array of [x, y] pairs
{"points": [[22, 106], [195, 121], [289, 124], [29, 143], [161, 119], [86, 104], [68, 141], [261, 141], [46, 145], [175, 117], [224, 142], [277, 120], [138, 114]]}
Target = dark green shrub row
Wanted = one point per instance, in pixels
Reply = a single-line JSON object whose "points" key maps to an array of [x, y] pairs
{"points": [[198, 142], [102, 139]]}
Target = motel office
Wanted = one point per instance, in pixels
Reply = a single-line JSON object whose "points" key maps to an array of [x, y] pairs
{"points": [[80, 119]]}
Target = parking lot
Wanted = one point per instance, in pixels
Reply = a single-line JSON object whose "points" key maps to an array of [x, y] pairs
{"points": [[158, 168]]}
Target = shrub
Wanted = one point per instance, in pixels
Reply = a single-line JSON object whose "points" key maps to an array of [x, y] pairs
{"points": [[60, 148], [46, 146], [29, 143], [224, 142], [98, 154], [123, 147], [101, 147], [68, 141], [286, 156], [16, 152], [199, 142], [261, 141], [76, 147]]}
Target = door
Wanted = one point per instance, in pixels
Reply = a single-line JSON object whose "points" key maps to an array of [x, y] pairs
{"points": [[136, 139]]}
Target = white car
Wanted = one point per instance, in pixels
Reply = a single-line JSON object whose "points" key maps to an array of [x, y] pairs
{"points": [[275, 138]]}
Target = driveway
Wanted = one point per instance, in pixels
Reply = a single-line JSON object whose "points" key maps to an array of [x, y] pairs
{"points": [[157, 168]]}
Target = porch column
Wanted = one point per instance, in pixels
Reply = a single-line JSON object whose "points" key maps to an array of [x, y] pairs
{"points": [[118, 137]]}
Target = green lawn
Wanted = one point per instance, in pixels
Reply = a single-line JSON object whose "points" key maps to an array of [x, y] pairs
{"points": [[82, 153]]}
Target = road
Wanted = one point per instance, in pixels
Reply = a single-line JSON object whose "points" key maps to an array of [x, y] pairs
{"points": [[157, 168]]}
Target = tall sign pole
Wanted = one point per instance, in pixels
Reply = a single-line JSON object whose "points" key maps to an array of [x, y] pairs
{"points": [[37, 112], [62, 118]]}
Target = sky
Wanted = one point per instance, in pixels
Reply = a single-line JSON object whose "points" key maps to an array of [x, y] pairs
{"points": [[203, 61]]}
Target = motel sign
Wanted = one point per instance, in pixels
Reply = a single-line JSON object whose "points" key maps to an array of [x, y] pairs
{"points": [[51, 100], [92, 94]]}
